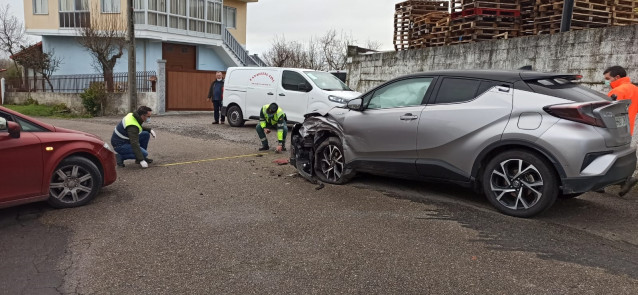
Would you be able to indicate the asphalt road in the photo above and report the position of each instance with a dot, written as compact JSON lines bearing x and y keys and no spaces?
{"x":249,"y":226}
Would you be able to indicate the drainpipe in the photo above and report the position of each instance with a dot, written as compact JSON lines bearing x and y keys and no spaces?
{"x":568,"y":11}
{"x":2,"y":90}
{"x":145,"y":41}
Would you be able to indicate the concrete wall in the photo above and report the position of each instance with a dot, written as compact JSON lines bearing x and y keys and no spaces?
{"x":76,"y":60}
{"x":116,"y":104}
{"x":586,"y":52}
{"x":208,"y":60}
{"x":239,"y":32}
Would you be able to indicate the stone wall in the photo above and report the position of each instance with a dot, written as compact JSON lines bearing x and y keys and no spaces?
{"x":116,"y":103}
{"x":586,"y":52}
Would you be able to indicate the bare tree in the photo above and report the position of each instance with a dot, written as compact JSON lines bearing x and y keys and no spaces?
{"x":279,"y":54}
{"x":12,"y":35}
{"x":373,"y":45}
{"x":40,"y":62}
{"x":335,"y":48}
{"x":328,"y":52}
{"x":104,"y":39}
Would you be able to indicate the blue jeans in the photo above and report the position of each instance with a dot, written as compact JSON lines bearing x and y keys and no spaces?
{"x":126,"y":150}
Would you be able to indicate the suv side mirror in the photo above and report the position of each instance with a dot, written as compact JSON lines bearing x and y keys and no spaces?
{"x":14,"y":129}
{"x":355,"y":104}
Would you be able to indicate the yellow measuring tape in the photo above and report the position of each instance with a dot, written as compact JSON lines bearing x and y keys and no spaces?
{"x":209,"y":160}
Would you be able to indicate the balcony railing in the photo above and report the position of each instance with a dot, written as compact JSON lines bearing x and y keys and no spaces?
{"x":235,"y":47}
{"x":75,"y":19}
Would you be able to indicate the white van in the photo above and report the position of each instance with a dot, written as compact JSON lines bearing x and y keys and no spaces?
{"x":296,"y":91}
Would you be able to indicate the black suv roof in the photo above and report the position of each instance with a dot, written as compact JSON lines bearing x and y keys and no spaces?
{"x":497,"y":75}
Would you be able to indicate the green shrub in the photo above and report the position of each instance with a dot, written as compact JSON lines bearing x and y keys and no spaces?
{"x":93,"y":98}
{"x":31,"y":101}
{"x":60,"y":108}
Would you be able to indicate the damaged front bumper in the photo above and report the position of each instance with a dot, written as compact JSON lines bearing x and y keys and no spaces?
{"x":305,"y":137}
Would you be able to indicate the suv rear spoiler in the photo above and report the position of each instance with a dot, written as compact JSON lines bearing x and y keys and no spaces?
{"x":535,"y":76}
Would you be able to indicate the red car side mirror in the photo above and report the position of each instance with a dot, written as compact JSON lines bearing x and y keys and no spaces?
{"x":14,"y":129}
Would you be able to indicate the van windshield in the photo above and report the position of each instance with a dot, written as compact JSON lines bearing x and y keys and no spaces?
{"x":327,"y":81}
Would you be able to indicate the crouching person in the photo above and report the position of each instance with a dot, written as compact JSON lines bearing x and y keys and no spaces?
{"x":130,"y":139}
{"x":272,"y":117}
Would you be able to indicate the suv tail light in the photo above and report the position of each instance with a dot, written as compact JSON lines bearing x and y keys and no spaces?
{"x":578,"y":112}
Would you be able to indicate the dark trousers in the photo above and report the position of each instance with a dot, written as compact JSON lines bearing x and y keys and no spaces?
{"x":262,"y":133}
{"x":126,"y":150}
{"x":217,"y":107}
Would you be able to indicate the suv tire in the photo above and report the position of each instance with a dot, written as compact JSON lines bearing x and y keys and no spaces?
{"x":330,"y":162}
{"x":520,"y":183}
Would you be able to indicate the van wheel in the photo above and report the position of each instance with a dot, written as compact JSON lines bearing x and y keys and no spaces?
{"x":235,"y":116}
{"x":74,"y":183}
{"x":520,"y":183}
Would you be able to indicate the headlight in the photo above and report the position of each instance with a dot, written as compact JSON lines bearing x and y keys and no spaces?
{"x":337,"y":99}
{"x":108,"y":147}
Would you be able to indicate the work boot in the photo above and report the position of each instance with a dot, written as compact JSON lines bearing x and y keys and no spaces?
{"x":118,"y":160}
{"x":148,"y":160}
{"x":626,"y":187}
{"x":264,"y":148}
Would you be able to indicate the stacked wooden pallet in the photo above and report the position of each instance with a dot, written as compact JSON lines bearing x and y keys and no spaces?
{"x":411,"y":16}
{"x":528,"y":13}
{"x":424,"y":26}
{"x":483,"y":20}
{"x":624,"y":12}
{"x":587,"y":14}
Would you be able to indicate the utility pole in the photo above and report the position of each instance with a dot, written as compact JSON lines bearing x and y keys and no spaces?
{"x":132,"y":83}
{"x":568,"y":12}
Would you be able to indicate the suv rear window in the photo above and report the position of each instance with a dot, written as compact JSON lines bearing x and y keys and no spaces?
{"x":566,"y":90}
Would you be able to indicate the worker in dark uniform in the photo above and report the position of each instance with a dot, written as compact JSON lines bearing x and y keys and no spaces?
{"x":272,"y":117}
{"x":130,"y":139}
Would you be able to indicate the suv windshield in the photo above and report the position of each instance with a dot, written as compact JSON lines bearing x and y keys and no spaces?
{"x":566,"y":90}
{"x":327,"y":81}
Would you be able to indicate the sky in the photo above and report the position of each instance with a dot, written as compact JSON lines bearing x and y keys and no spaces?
{"x":298,"y":20}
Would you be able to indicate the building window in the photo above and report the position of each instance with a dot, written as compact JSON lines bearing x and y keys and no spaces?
{"x":40,"y":7}
{"x":178,"y":19}
{"x":111,"y":6}
{"x":74,"y":14}
{"x":157,"y":13}
{"x":74,"y":5}
{"x":230,"y":17}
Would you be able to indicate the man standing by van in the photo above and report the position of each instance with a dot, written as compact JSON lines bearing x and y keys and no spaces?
{"x":272,"y":117}
{"x":216,"y":96}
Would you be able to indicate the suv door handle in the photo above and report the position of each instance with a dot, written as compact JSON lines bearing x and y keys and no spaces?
{"x":408,"y":117}
{"x":281,"y":94}
{"x":270,"y":93}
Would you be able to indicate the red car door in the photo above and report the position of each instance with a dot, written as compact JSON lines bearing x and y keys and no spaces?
{"x":20,"y":166}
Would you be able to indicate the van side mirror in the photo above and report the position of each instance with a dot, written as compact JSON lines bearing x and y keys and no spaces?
{"x":304,"y":87}
{"x":14,"y":129}
{"x":355,"y":104}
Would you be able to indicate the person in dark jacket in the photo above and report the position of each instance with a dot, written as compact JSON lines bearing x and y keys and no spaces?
{"x":130,"y":139}
{"x":216,"y":96}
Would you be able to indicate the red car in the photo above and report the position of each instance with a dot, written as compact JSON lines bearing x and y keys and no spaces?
{"x":41,"y":162}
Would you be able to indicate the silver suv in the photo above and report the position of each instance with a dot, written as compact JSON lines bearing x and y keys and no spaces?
{"x":523,"y":138}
